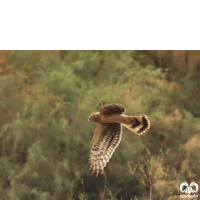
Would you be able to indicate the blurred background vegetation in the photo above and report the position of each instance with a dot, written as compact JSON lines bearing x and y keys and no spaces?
{"x":45,"y":138}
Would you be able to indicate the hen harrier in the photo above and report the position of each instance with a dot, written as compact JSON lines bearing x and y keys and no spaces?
{"x":108,"y":132}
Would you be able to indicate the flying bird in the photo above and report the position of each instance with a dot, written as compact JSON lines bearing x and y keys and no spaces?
{"x":108,"y":132}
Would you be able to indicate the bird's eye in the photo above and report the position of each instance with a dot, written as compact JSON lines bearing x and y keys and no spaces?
{"x":89,"y":119}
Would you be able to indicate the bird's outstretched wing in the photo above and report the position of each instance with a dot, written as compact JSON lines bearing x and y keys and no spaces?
{"x":109,"y":109}
{"x":105,"y":140}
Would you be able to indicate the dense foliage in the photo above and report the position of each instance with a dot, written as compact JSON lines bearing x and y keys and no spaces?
{"x":45,"y":138}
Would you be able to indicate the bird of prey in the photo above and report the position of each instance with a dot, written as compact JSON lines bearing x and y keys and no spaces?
{"x":108,"y":132}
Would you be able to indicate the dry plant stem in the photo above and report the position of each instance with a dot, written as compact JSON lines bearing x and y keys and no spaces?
{"x":116,"y":193}
{"x":150,"y":194}
{"x":72,"y":194}
{"x":83,"y":188}
{"x":141,"y":181}
{"x":104,"y":186}
{"x":150,"y":183}
{"x":150,"y":170}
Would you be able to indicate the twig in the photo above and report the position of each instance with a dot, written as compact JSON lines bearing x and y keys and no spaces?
{"x":104,"y":186}
{"x":116,"y":193}
{"x":83,"y":188}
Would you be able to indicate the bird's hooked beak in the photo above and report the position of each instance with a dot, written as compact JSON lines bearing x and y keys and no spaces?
{"x":89,"y":119}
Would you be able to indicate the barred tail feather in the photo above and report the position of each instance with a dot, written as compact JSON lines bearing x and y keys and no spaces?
{"x":138,"y":124}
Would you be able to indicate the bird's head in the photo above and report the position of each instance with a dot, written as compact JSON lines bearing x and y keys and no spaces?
{"x":93,"y":117}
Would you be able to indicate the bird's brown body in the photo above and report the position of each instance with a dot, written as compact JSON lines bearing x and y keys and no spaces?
{"x":108,"y":132}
